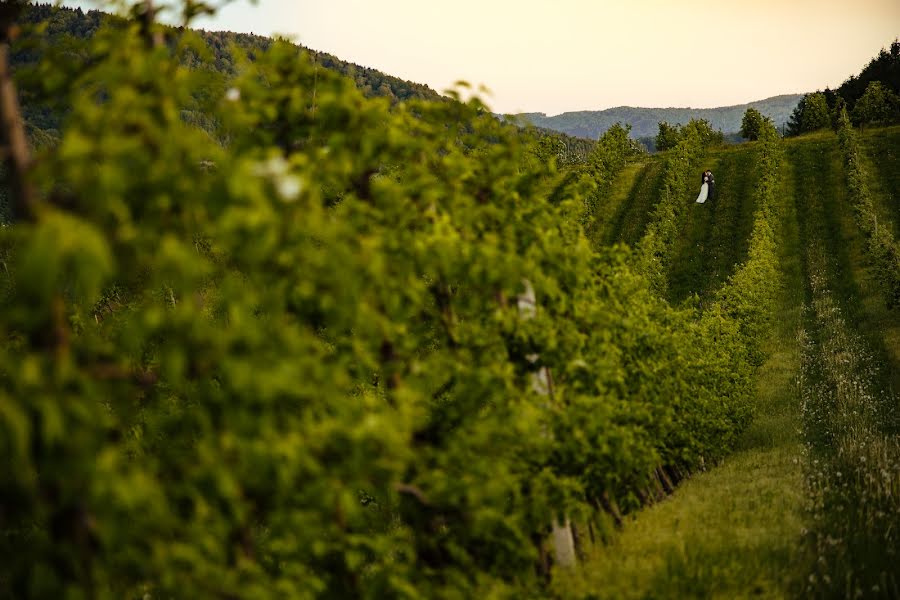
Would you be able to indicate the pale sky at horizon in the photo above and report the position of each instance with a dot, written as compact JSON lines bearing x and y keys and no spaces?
{"x":569,"y":55}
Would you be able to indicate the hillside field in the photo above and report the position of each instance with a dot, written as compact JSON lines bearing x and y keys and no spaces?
{"x":272,"y":326}
{"x":743,"y":529}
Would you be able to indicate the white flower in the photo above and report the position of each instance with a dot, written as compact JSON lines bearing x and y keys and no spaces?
{"x":289,"y":187}
{"x":233,"y":94}
{"x":276,"y":166}
{"x":277,"y":170}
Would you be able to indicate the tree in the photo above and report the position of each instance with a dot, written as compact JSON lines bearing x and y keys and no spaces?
{"x":668,"y":136}
{"x":811,"y":114}
{"x":617,"y":142}
{"x":704,"y":130}
{"x":877,"y":105}
{"x":815,"y":113}
{"x":840,"y":106}
{"x":794,"y":127}
{"x":884,"y":68}
{"x":753,"y":123}
{"x":831,"y":96}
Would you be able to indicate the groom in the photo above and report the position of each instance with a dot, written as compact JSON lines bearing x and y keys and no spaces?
{"x":711,"y":181}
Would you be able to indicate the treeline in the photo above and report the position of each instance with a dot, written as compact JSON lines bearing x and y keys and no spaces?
{"x":753,"y":126}
{"x":70,"y":27}
{"x":359,"y":350}
{"x":371,"y":82}
{"x":872,"y":97}
{"x":567,"y":150}
{"x":669,"y":136}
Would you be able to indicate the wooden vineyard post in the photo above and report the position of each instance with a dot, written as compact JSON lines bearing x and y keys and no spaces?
{"x":564,"y":544}
{"x":542,"y":383}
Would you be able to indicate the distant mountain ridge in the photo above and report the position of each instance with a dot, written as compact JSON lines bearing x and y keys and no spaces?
{"x":644,"y":121}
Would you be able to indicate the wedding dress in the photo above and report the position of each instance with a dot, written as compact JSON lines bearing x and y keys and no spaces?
{"x":704,"y":192}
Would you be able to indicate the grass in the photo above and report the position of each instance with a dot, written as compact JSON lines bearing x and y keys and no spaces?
{"x":820,"y":178}
{"x":690,"y":249}
{"x":730,"y":236}
{"x":732,"y":532}
{"x":716,"y":235}
{"x":618,"y":198}
{"x":852,"y":473}
{"x":633,"y":215}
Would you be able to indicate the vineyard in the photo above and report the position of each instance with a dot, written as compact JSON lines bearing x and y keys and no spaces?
{"x":806,"y":505}
{"x":266,"y":334}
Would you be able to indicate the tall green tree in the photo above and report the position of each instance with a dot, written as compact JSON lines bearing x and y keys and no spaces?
{"x":753,"y":123}
{"x":837,"y":110}
{"x":668,"y":136}
{"x":815,"y":113}
{"x":708,"y":136}
{"x":877,"y":105}
{"x":794,"y":123}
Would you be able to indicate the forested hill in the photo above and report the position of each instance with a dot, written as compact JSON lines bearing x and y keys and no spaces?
{"x":68,"y":27}
{"x":644,"y":121}
{"x":75,"y":23}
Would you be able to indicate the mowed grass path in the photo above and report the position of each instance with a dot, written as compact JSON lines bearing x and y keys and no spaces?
{"x":849,"y":367}
{"x":616,"y":199}
{"x":736,"y":530}
{"x":631,"y":216}
{"x":817,"y":162}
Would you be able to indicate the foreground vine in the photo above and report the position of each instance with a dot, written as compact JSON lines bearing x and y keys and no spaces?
{"x":281,"y":355}
{"x":882,"y":248}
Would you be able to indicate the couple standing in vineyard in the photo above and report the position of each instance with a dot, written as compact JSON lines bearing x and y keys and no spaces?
{"x":708,"y":187}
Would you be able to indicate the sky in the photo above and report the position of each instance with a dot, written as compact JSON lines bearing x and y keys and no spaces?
{"x":566,"y":55}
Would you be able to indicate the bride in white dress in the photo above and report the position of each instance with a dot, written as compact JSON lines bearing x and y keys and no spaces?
{"x":704,"y":189}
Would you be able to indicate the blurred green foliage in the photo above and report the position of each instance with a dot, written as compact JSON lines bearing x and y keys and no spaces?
{"x":275,"y":350}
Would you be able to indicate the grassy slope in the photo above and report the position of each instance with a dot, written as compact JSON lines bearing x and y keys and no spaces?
{"x":817,"y":158}
{"x":618,"y":198}
{"x":850,"y":363}
{"x":731,"y":532}
{"x":881,"y":159}
{"x":716,"y":235}
{"x":735,"y":530}
{"x":690,"y":255}
{"x":631,"y":216}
